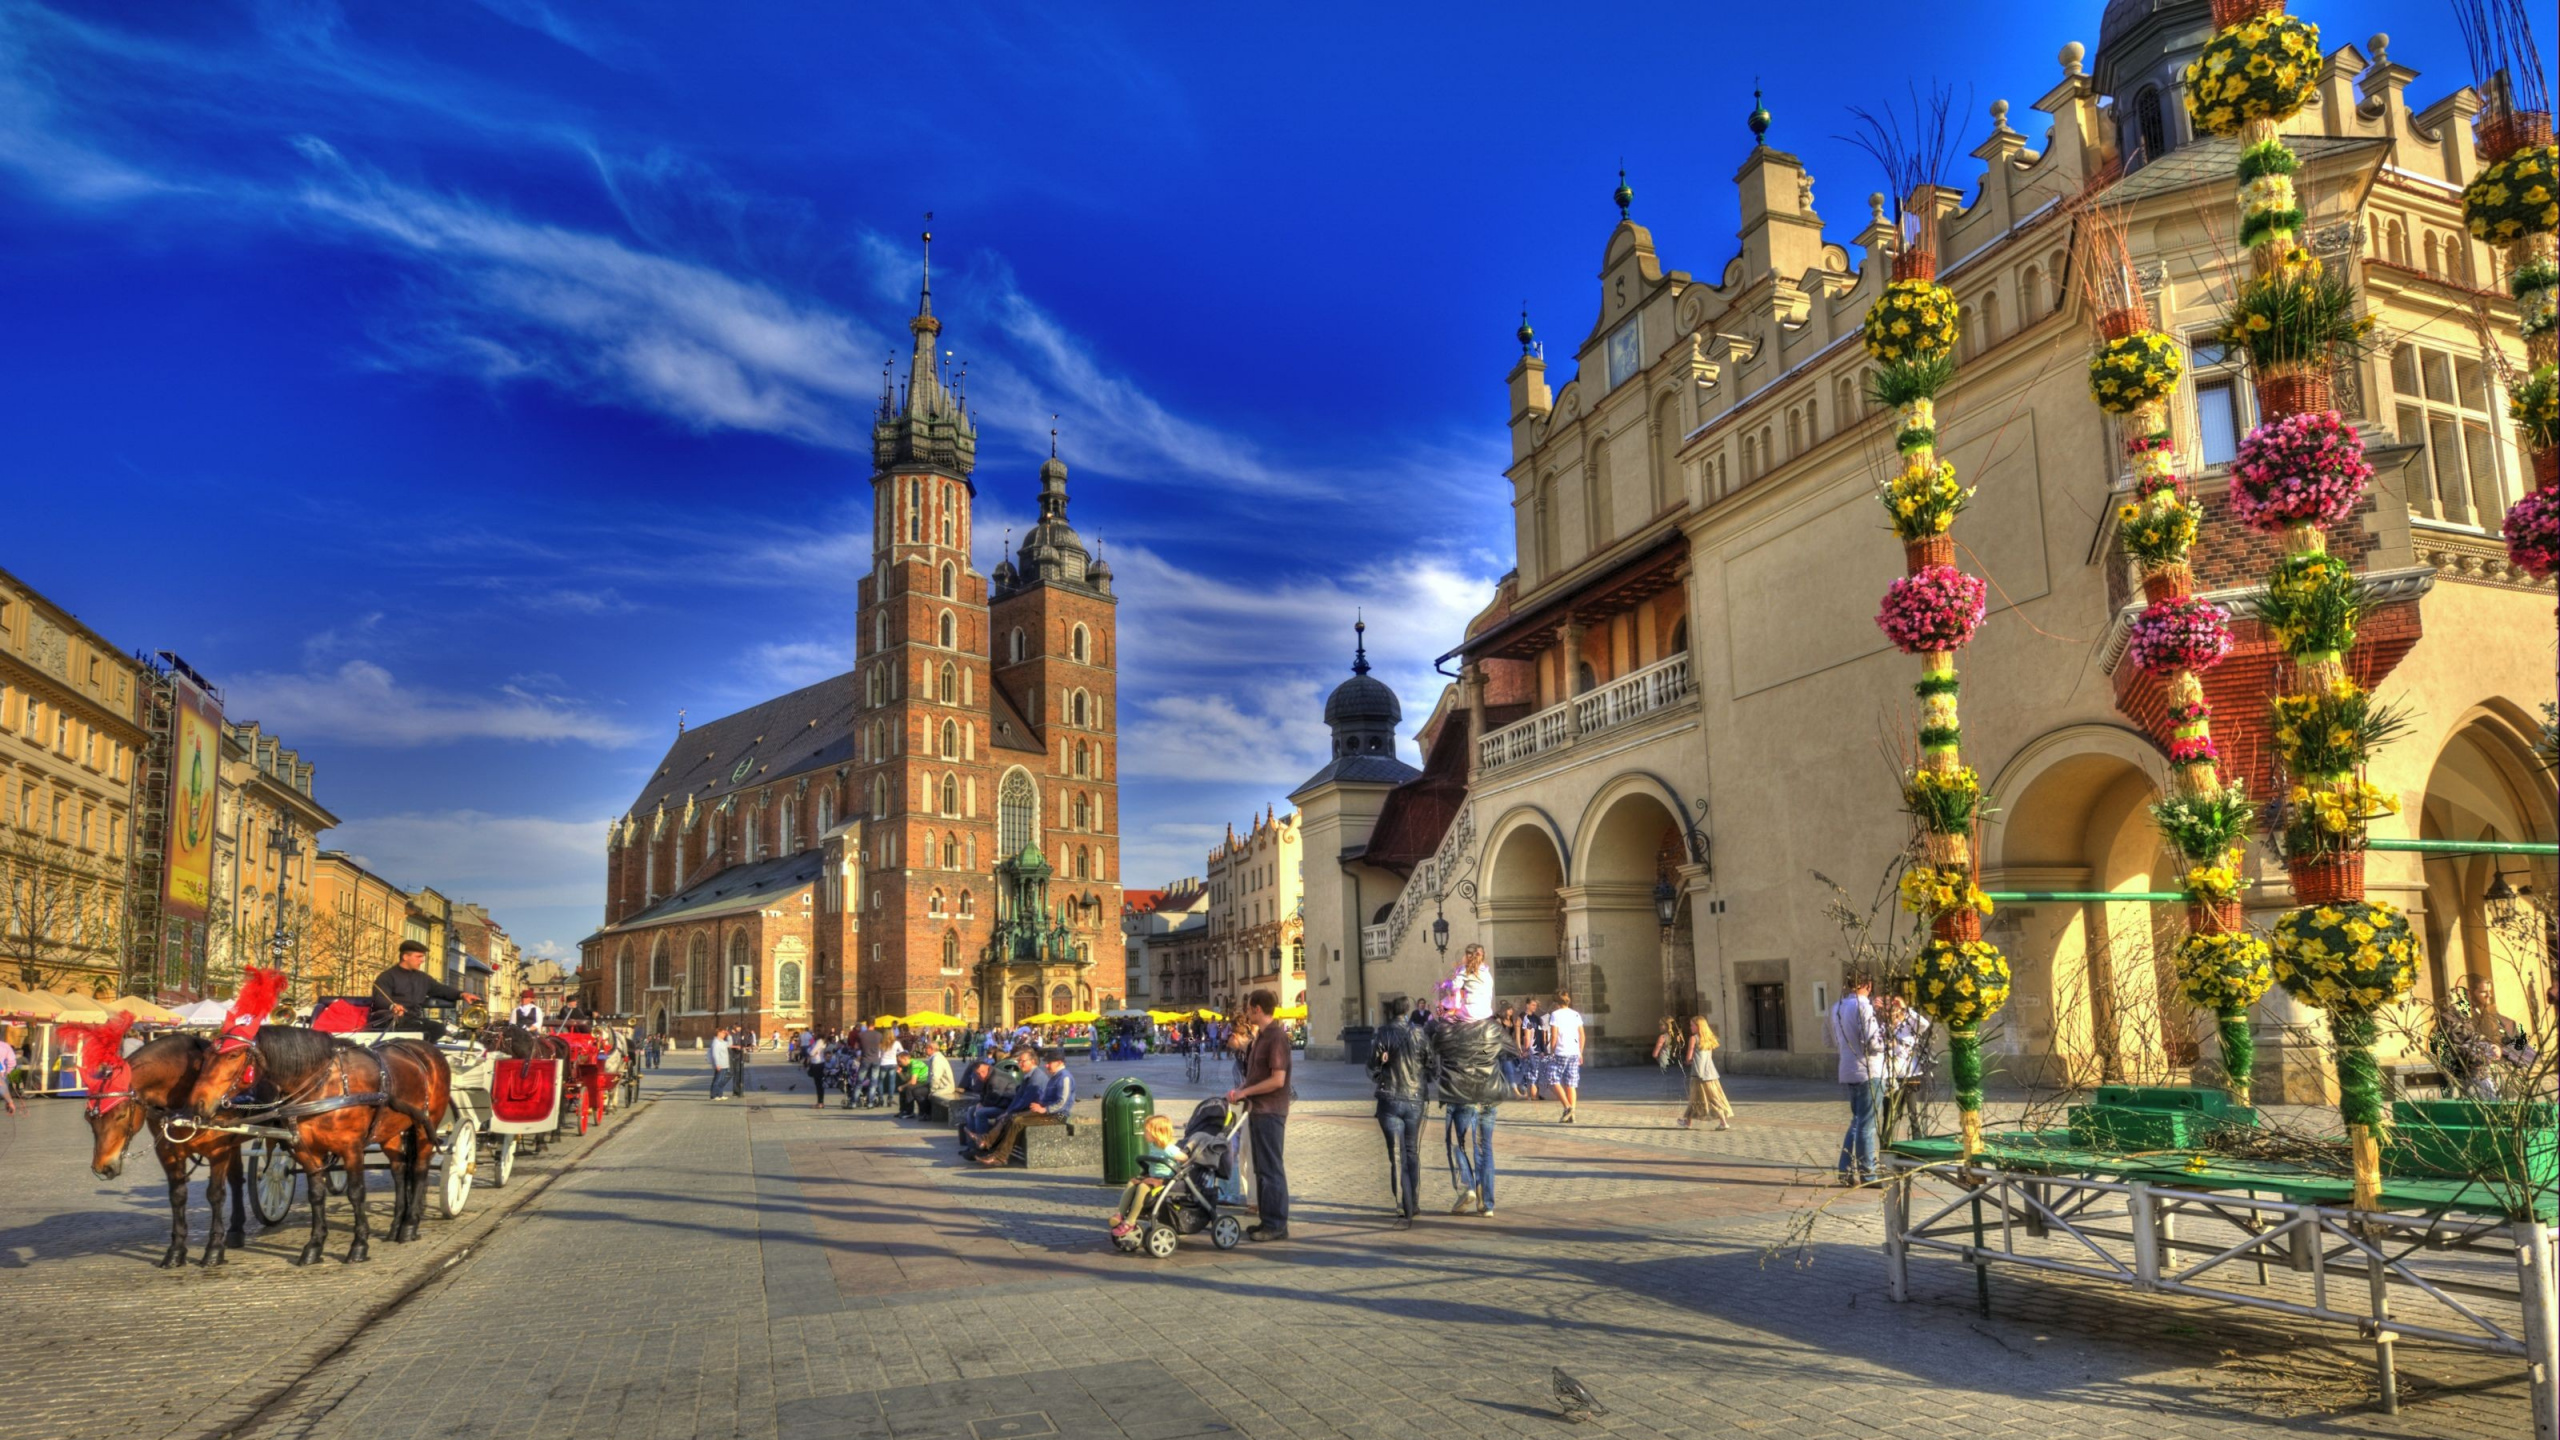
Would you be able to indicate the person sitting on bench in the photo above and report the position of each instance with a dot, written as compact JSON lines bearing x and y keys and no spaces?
{"x":1053,"y":1093}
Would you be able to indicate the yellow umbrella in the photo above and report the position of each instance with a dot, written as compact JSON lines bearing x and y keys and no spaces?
{"x":1166,"y":1017}
{"x":1290,"y":1012}
{"x":80,"y":1009}
{"x":880,"y":1020}
{"x":935,"y":1020}
{"x":1043,"y":1018}
{"x":1207,"y":1015}
{"x":1078,"y":1017}
{"x":19,"y":1002}
{"x":144,"y":1010}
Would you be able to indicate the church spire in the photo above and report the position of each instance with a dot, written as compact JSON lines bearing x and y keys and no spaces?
{"x":1359,"y":644}
{"x":928,"y":426}
{"x":924,"y":375}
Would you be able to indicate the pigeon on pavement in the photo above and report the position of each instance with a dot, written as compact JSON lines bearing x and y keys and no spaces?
{"x":1574,"y":1399}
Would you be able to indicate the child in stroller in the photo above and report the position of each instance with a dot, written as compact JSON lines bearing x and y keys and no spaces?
{"x":1201,"y":1176}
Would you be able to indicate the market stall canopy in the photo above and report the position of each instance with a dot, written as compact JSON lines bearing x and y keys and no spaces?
{"x":19,"y":1002}
{"x":879,"y":1021}
{"x":1206,"y":1015}
{"x":80,"y":1009}
{"x":1078,"y":1017}
{"x":1167,"y":1017}
{"x":935,"y":1020}
{"x":143,"y":1010}
{"x":203,"y":1012}
{"x":1128,"y":1014}
{"x":1290,"y":1012}
{"x":1043,"y":1018}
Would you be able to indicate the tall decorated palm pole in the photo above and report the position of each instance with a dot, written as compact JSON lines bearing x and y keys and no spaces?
{"x":2514,"y":204}
{"x":2205,"y":818}
{"x":2299,"y":472}
{"x":1958,"y":979}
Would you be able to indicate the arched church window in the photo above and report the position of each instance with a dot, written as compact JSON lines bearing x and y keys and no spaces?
{"x":950,"y":581}
{"x":950,"y":850}
{"x":950,"y":684}
{"x":950,"y":951}
{"x":950,"y":631}
{"x":950,"y":739}
{"x":1017,"y":814}
{"x":1083,"y":758}
{"x":915,"y":510}
{"x":2151,"y":129}
{"x":1078,"y":645}
{"x":1014,"y":648}
{"x":950,"y":794}
{"x":1077,"y":709}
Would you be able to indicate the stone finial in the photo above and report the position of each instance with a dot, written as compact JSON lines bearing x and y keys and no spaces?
{"x":2071,"y":56}
{"x":1999,"y":114}
{"x":1875,"y":207}
{"x":2380,"y":45}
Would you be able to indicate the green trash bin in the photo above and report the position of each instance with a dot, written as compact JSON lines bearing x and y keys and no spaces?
{"x":1126,"y":1104}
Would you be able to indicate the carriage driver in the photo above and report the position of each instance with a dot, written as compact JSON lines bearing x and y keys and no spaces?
{"x":401,"y":994}
{"x":528,"y":1012}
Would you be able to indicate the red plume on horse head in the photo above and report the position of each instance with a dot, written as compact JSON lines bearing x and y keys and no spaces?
{"x":102,"y":1067}
{"x":258,"y":992}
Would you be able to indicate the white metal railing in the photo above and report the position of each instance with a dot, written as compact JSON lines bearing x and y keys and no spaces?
{"x":1428,"y":878}
{"x":1630,"y":698}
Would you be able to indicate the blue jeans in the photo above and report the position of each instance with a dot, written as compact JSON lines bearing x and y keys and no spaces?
{"x":719,"y":1077}
{"x":1400,"y":1121}
{"x":1471,"y":1151}
{"x":1858,"y":1146}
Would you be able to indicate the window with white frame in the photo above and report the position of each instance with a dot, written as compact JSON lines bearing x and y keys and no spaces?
{"x":2446,"y":405}
{"x":2222,"y":401}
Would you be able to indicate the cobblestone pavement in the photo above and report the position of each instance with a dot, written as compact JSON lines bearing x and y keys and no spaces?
{"x":764,"y":1269}
{"x":99,"y":1344}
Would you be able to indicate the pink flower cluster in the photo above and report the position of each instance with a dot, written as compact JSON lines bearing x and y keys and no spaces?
{"x":1933,"y":611}
{"x":2305,"y":469}
{"x":2533,"y":534}
{"x":2198,"y":751}
{"x":2175,"y":635}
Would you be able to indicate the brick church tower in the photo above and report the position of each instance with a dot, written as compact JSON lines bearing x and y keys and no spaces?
{"x":924,"y":779}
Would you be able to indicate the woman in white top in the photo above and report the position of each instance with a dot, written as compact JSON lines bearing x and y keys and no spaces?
{"x":1706,"y":1087}
{"x":1471,"y":989}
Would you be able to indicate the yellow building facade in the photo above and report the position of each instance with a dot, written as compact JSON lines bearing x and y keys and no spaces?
{"x":1673,"y":714}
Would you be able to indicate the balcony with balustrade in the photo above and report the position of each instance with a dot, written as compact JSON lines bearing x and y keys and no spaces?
{"x":1630,"y":700}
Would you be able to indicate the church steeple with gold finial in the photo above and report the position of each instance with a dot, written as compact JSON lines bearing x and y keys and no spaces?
{"x":929,"y":426}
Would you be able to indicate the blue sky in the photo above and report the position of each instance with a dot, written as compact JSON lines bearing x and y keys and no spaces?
{"x":467,"y":387}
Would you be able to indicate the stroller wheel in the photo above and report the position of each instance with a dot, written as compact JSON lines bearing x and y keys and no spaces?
{"x":1226,"y":1232}
{"x":1126,"y":1244}
{"x":1161,"y":1241}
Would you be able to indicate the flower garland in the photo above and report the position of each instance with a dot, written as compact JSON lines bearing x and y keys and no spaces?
{"x":2175,"y":635}
{"x":2356,"y":955}
{"x":1959,"y":984}
{"x":2227,"y":973}
{"x":2135,"y":370}
{"x":1933,"y":611}
{"x":2304,"y":469}
{"x":2515,"y":197}
{"x":2267,"y":68}
{"x":1916,"y":320}
{"x":1924,"y":500}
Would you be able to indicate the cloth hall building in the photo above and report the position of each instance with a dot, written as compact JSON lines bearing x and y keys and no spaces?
{"x":1668,"y":721}
{"x":936,"y":829}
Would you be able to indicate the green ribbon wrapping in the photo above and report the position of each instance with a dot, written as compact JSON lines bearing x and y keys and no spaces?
{"x":1964,"y":1066}
{"x":2239,"y":1048}
{"x":2359,"y":1075}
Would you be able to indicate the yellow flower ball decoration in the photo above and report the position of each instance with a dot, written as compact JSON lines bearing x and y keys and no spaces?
{"x":2267,"y":68}
{"x":1960,"y":984}
{"x":1933,"y":890}
{"x":2516,"y":197}
{"x":2217,"y":882}
{"x":2224,"y":973}
{"x":2355,"y":957}
{"x":2134,"y":371}
{"x":1924,"y":500}
{"x":1915,"y":320}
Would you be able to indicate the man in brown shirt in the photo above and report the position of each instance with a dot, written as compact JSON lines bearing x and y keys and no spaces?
{"x":1265,"y":1096}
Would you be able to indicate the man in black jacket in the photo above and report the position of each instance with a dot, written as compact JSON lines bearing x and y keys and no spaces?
{"x":1397,"y":1067}
{"x":401,"y":994}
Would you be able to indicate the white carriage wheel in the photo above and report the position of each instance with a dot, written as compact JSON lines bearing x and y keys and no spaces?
{"x":271,"y":1174}
{"x":461,"y":1153}
{"x":505,"y":1168}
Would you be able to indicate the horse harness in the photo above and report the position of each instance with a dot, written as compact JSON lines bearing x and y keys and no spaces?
{"x":280,"y":1118}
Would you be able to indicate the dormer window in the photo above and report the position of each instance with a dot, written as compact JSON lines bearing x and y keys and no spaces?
{"x":2151,"y":131}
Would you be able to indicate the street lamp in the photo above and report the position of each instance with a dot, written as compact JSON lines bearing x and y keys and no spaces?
{"x":286,"y":845}
{"x":1440,"y":932}
{"x":2504,"y":899}
{"x":1666,"y":903}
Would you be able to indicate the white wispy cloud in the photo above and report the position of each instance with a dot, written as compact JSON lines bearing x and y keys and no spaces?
{"x":361,"y":703}
{"x":541,"y":877}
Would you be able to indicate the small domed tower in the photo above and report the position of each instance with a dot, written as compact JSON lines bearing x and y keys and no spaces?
{"x":1362,"y":712}
{"x":2144,"y":47}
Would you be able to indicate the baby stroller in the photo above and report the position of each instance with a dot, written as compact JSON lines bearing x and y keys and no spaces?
{"x":1203,"y":1182}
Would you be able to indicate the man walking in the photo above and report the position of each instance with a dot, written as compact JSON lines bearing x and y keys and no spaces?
{"x":740,"y":1042}
{"x":1860,"y":1041}
{"x":1396,"y":1065}
{"x":657,"y":1043}
{"x":1564,"y":1067}
{"x":1265,"y":1096}
{"x":718,"y":1049}
{"x":1533,"y":1051}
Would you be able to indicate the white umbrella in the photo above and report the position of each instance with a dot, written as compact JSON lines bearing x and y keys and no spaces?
{"x":203,"y":1012}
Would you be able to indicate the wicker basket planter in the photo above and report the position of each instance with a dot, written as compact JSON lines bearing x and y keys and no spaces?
{"x":2329,"y":880}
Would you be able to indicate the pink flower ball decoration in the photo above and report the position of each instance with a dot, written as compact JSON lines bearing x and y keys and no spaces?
{"x":2175,"y":635}
{"x":2198,"y":751}
{"x":2533,"y":534}
{"x":2305,"y":469}
{"x":1934,"y":611}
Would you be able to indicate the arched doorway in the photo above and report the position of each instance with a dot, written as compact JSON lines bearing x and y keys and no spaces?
{"x":2486,"y":785}
{"x":1026,"y":1003}
{"x":1522,"y":913}
{"x":1061,"y":1000}
{"x":2094,"y":995}
{"x":1632,"y":843}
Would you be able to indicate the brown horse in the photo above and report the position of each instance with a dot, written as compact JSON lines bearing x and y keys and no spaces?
{"x":157,"y":1081}
{"x":338,"y":1099}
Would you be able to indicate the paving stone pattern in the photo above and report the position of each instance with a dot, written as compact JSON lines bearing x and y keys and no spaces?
{"x":763,"y":1269}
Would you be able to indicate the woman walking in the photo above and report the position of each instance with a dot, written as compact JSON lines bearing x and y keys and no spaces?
{"x":1706,"y":1087}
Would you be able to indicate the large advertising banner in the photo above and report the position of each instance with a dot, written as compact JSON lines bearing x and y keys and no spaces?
{"x":195,"y":775}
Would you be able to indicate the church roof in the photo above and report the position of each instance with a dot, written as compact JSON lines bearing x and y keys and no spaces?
{"x":1363,"y":698}
{"x":1367,"y":769}
{"x":2211,"y":159}
{"x":807,"y":729}
{"x":1007,"y":730}
{"x":732,"y":891}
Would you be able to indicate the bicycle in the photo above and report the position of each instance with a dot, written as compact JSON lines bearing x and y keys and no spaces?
{"x":1191,"y":1065}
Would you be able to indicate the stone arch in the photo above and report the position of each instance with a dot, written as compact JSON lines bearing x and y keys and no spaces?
{"x":1017,"y":813}
{"x":1520,"y":912}
{"x":1633,"y":837}
{"x":659,"y":978}
{"x":2095,"y":978}
{"x":1061,"y":999}
{"x":1026,"y":1003}
{"x":2484,"y":784}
